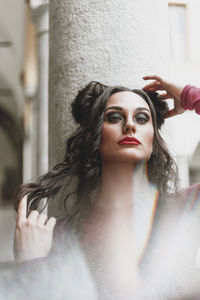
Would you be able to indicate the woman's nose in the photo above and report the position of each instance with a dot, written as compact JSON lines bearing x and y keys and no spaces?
{"x":129,"y":127}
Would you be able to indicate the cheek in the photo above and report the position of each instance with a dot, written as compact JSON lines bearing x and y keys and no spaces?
{"x":109,"y":137}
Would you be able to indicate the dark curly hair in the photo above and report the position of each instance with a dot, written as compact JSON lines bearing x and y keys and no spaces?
{"x":82,"y":159}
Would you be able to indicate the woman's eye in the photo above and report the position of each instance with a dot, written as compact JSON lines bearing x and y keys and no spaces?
{"x":114,"y":117}
{"x":142,"y":118}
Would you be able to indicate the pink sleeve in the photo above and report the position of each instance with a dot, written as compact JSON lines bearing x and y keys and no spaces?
{"x":190,"y":98}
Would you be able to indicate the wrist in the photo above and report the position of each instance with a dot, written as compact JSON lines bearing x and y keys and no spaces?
{"x":175,"y":90}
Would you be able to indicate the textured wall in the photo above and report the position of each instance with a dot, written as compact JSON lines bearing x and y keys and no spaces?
{"x":114,"y":42}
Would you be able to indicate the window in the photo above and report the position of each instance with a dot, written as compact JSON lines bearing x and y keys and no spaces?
{"x":178,"y":31}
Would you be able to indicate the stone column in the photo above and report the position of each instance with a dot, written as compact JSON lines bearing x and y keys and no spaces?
{"x":41,"y":19}
{"x":114,"y":42}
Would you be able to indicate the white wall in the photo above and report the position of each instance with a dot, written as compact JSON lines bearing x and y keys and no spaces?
{"x":114,"y":42}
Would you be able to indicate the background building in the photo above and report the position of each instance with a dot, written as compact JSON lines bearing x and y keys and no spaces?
{"x":113,"y":43}
{"x":185,"y":68}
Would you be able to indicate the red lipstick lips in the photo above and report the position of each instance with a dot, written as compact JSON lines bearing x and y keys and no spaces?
{"x":129,"y":141}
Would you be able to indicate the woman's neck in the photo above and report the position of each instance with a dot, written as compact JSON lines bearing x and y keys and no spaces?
{"x":119,"y":184}
{"x":125,"y":206}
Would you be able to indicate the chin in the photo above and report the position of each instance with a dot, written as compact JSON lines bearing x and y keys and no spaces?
{"x":128,"y":155}
{"x":133,"y":155}
{"x":129,"y":158}
{"x":132,"y":159}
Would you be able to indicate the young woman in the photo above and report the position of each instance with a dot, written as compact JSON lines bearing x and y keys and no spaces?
{"x":126,"y":181}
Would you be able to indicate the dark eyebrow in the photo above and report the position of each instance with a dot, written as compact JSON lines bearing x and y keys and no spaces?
{"x":143,"y":108}
{"x":114,"y":107}
{"x":121,"y":109}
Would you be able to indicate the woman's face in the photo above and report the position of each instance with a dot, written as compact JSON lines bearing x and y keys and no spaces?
{"x":127,"y":131}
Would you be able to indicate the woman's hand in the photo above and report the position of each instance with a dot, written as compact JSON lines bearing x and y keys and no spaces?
{"x":172,"y":91}
{"x":33,"y":234}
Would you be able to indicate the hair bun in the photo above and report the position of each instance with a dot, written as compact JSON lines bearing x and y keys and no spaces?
{"x":161,"y":107}
{"x":82,"y":105}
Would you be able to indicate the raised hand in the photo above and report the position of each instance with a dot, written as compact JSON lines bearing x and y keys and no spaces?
{"x":33,"y":234}
{"x":172,"y":91}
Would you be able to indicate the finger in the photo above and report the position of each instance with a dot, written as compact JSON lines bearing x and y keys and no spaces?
{"x":155,"y":89}
{"x":22,"y":209}
{"x":151,"y":77}
{"x":151,"y":85}
{"x":165,"y":96}
{"x":41,"y":219}
{"x":32,"y":217}
{"x":154,"y":86}
{"x":170,"y":113}
{"x":51,"y":223}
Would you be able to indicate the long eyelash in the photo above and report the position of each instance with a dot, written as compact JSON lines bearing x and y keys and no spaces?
{"x":144,"y":118}
{"x":111,"y":113}
{"x":146,"y":115}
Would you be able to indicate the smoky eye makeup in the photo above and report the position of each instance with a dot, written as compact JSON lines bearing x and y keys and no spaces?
{"x":114,"y":117}
{"x":142,"y":117}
